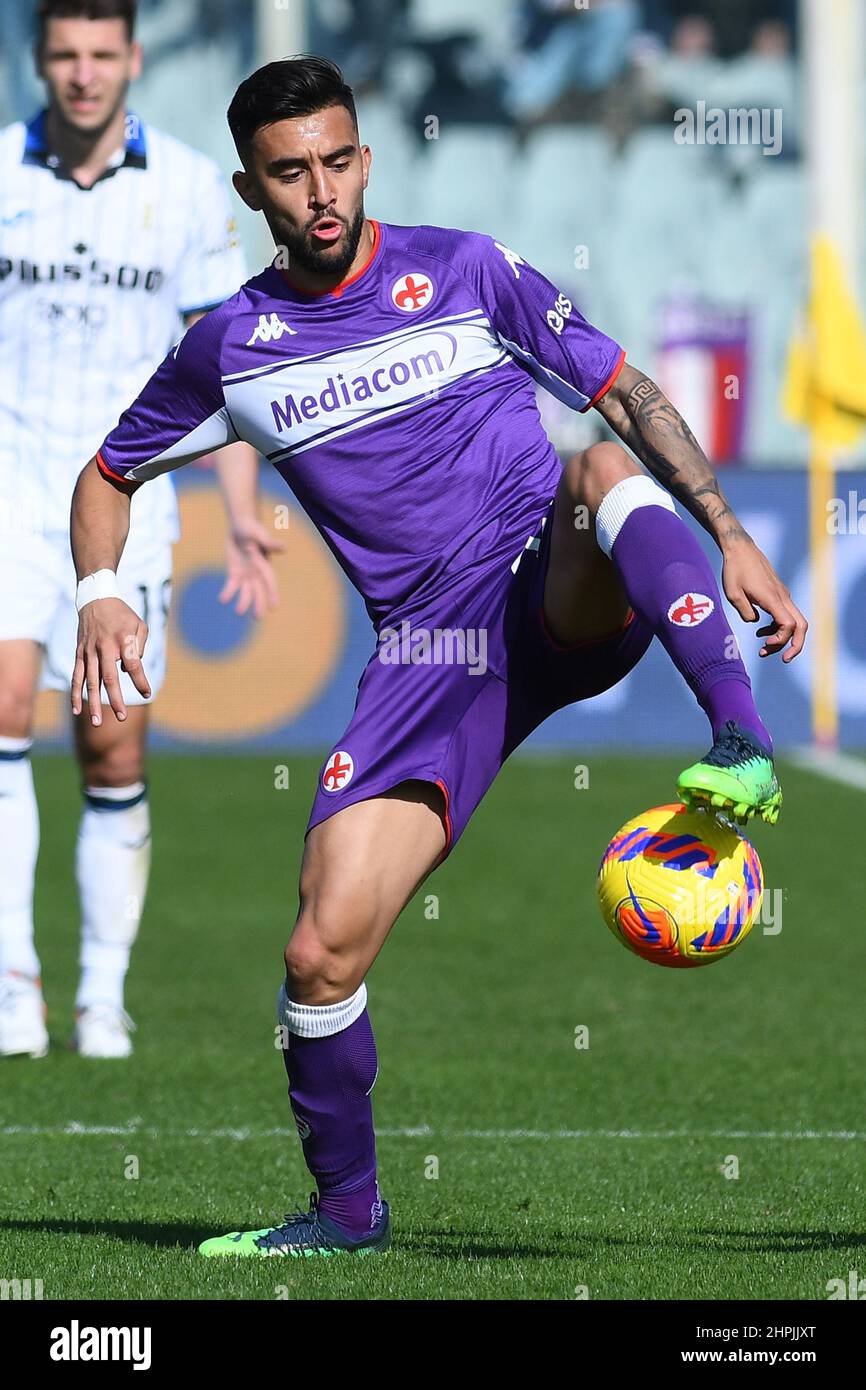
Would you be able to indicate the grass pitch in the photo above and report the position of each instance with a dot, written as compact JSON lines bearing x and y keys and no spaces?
{"x":517,"y":1164}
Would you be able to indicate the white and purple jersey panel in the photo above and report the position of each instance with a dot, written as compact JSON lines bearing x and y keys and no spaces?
{"x":400,"y":407}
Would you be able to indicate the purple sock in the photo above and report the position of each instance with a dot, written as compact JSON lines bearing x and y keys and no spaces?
{"x":330,"y":1080}
{"x":671,"y":586}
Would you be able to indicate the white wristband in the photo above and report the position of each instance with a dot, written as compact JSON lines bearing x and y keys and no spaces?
{"x":101,"y":584}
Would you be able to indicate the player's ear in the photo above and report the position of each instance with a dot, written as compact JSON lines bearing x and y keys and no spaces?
{"x":366,"y":161}
{"x":245,"y":187}
{"x":136,"y":60}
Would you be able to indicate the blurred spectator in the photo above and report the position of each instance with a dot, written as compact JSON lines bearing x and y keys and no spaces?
{"x":763,"y":76}
{"x":733,"y":21}
{"x":690,"y":70}
{"x":568,"y":49}
{"x":359,"y":35}
{"x":694,"y":38}
{"x":766,"y":76}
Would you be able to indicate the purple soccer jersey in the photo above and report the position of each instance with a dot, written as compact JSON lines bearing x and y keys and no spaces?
{"x":400,"y":409}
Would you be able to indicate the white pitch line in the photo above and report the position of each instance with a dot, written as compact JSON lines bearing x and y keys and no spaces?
{"x":837,"y":767}
{"x":75,"y":1129}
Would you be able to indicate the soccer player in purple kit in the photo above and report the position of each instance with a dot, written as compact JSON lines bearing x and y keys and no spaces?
{"x":388,"y":374}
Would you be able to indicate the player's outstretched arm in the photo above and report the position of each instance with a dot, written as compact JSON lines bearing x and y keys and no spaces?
{"x":655,"y":431}
{"x":108,"y":630}
{"x":249,"y":544}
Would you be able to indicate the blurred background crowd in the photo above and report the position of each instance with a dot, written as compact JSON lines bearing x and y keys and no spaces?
{"x":553,"y":125}
{"x":549,"y":124}
{"x":514,"y":63}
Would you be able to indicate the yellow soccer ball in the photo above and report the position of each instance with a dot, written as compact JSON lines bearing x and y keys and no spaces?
{"x":680,"y":887}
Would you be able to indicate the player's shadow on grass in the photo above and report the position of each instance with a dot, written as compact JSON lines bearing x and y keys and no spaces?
{"x":786,"y":1242}
{"x":448,"y":1244}
{"x":158,"y":1235}
{"x":451,"y":1244}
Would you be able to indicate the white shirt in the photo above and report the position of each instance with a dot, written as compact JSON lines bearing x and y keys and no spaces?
{"x":93,"y":286}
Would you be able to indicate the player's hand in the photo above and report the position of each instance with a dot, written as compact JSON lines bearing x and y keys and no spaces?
{"x":750,"y":583}
{"x":108,"y":632}
{"x":249,"y":573}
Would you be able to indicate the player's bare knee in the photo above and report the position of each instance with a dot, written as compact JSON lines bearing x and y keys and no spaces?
{"x":16,"y":709}
{"x":591,"y":474}
{"x":112,"y":767}
{"x":318,"y":972}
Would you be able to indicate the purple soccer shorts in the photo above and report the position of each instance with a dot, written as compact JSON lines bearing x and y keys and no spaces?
{"x":453,"y":689}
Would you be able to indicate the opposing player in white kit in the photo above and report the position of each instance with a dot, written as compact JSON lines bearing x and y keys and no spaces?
{"x":112,"y":236}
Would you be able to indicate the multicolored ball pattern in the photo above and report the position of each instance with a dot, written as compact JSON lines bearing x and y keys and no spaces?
{"x":680,"y":887}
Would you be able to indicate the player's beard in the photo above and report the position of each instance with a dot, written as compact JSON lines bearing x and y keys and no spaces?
{"x":71,"y":126}
{"x":323,"y":260}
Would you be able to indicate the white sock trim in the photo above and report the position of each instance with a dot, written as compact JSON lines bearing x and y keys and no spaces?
{"x":319,"y":1021}
{"x":15,"y":745}
{"x":116,"y":793}
{"x":635,"y":491}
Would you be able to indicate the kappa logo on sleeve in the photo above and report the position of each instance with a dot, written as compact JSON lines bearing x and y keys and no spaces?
{"x":339,"y":771}
{"x":690,"y":609}
{"x":512,"y":258}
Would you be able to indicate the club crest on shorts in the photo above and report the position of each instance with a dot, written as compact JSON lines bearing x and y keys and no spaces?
{"x":690,"y":609}
{"x":412,"y":292}
{"x":338,"y":773}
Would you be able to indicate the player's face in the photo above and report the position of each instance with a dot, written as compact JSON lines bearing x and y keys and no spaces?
{"x":308,"y":176}
{"x":88,"y":65}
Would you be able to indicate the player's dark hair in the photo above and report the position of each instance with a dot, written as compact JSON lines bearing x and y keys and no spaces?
{"x":283,"y":90}
{"x":84,"y":9}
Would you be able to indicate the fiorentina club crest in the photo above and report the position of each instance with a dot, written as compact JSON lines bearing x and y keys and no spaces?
{"x":412,"y":292}
{"x":690,"y":609}
{"x":338,"y":772}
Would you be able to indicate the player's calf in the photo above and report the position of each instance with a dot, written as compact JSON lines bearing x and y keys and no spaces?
{"x":329,"y":1051}
{"x":22,"y":1009}
{"x":361,"y":865}
{"x":670,"y":584}
{"x":112,"y":867}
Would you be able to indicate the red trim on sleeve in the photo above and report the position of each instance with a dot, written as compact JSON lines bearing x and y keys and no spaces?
{"x":109,"y":472}
{"x":607,"y":385}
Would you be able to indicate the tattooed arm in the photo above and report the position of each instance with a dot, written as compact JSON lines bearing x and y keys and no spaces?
{"x":654,"y":430}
